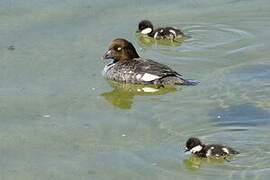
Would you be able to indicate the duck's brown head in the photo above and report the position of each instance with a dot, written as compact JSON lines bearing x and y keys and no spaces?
{"x":120,"y":50}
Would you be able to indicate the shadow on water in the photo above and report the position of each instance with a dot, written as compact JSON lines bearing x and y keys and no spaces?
{"x":240,"y":115}
{"x":122,"y":94}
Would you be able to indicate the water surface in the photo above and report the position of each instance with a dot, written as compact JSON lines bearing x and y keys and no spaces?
{"x":61,"y":120}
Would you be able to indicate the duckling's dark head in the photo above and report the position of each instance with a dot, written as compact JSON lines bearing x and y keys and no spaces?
{"x":194,"y":145}
{"x":120,"y":50}
{"x":145,"y":27}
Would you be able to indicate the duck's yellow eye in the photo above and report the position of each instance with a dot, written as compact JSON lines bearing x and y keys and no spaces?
{"x":119,"y":49}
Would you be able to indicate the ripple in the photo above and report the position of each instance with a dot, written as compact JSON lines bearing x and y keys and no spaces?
{"x":203,"y":39}
{"x":240,"y":115}
{"x":248,"y":83}
{"x":253,"y":159}
{"x":210,"y":36}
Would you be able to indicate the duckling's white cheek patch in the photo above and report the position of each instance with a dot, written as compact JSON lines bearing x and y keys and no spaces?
{"x":146,"y":31}
{"x":149,"y":77}
{"x":196,"y":149}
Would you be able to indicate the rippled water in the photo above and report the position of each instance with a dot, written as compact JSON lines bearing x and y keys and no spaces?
{"x":61,"y":120}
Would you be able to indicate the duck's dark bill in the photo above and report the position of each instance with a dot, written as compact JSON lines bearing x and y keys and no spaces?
{"x":107,"y":55}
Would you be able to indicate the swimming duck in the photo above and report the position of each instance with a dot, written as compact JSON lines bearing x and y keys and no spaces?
{"x":128,"y":67}
{"x":195,"y":146}
{"x":170,"y":33}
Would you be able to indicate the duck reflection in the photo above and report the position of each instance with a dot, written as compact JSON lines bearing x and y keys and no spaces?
{"x":122,"y":94}
{"x":194,"y":162}
{"x":146,"y":41}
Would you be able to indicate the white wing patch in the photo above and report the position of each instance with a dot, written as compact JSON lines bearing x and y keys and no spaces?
{"x":146,"y":31}
{"x":149,"y":77}
{"x":225,"y":150}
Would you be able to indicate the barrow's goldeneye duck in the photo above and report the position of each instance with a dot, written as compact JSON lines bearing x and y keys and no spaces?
{"x":195,"y":146}
{"x":128,"y":67}
{"x":147,"y":28}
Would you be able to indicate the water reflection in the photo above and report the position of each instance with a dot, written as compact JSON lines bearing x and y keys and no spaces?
{"x":146,"y":41}
{"x":122,"y":94}
{"x":194,"y":162}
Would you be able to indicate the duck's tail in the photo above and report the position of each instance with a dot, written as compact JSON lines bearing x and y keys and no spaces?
{"x":190,"y":82}
{"x":176,"y":80}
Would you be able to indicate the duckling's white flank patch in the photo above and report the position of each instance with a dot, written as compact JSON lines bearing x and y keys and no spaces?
{"x":155,"y":36}
{"x":196,"y":149}
{"x":146,"y":31}
{"x":208,"y":153}
{"x":149,"y":77}
{"x":149,"y":89}
{"x":173,"y":32}
{"x":225,"y":150}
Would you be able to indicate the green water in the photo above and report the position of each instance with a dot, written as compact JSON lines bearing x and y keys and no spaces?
{"x":59,"y":118}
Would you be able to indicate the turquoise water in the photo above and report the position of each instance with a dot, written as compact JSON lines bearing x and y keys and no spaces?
{"x":61,"y":120}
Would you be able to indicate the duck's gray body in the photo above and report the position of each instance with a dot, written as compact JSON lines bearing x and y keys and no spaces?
{"x":142,"y":71}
